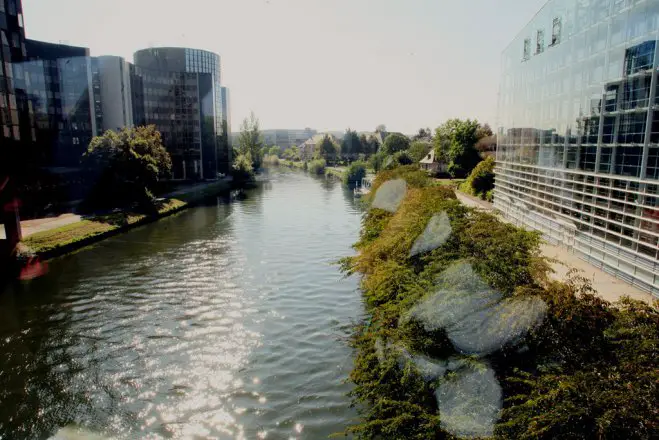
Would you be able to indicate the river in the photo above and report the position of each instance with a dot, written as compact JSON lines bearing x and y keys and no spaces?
{"x":227,"y":320}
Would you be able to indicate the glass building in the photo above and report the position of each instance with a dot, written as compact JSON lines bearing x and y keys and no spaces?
{"x":56,"y":82}
{"x":179,"y":91}
{"x":578,"y":132}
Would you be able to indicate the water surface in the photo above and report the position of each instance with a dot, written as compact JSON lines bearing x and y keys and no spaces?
{"x":225,"y":321}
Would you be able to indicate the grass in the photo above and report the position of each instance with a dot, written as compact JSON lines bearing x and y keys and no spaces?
{"x":86,"y":230}
{"x":335,"y":172}
{"x":448,"y":182}
{"x":291,"y":163}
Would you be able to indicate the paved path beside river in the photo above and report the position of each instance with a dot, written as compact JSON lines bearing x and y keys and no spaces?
{"x":607,"y":286}
{"x":30,"y":227}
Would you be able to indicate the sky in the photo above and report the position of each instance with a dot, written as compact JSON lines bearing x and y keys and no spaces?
{"x":324,"y":64}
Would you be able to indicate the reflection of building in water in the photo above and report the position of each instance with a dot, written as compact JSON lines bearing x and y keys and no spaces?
{"x":578,"y":154}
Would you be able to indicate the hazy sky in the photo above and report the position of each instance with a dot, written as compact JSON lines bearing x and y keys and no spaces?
{"x":325,"y":64}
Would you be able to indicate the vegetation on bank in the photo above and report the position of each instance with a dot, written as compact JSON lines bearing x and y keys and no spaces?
{"x":124,"y":168}
{"x":317,"y":167}
{"x":50,"y":241}
{"x":587,"y":370}
{"x":354,"y":174}
{"x":480,"y":182}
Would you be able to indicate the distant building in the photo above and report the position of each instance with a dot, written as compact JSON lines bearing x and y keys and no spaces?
{"x":308,"y":148}
{"x":433,"y":165}
{"x":286,"y":138}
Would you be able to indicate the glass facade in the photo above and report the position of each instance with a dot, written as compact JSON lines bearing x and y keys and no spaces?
{"x":578,"y":133}
{"x":179,"y":90}
{"x":55,"y":80}
{"x":13,"y":107}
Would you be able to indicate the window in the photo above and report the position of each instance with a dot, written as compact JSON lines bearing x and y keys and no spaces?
{"x":632,"y":129}
{"x":540,"y":41}
{"x":608,"y":128}
{"x":637,"y":92}
{"x":527,"y":49}
{"x":652,"y":170}
{"x":639,"y":57}
{"x":605,"y":160}
{"x":628,"y":161}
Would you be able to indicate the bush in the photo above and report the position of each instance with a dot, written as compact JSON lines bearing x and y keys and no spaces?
{"x":271,"y":159}
{"x":589,"y":370}
{"x":125,"y":167}
{"x":317,"y":166}
{"x":354,"y":173}
{"x":402,"y":158}
{"x":481,"y":180}
{"x":242,"y":170}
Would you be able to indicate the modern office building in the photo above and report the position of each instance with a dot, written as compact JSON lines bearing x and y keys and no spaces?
{"x":112,"y":96}
{"x":179,"y":91}
{"x":578,"y":153}
{"x":13,"y":108}
{"x":55,"y":79}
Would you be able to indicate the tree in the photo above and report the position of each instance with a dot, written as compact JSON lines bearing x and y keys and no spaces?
{"x":370,"y":144}
{"x":381,"y":128}
{"x":354,"y":173}
{"x":242,"y":170}
{"x":351,"y":145}
{"x":326,"y":149}
{"x":395,"y":142}
{"x":481,"y":180}
{"x":455,"y":142}
{"x":126,"y":166}
{"x":402,"y":158}
{"x":250,"y":140}
{"x":424,"y":134}
{"x":275,"y":151}
{"x":419,"y":149}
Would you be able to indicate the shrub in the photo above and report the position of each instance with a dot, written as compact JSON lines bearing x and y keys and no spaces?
{"x":242,"y":170}
{"x":354,"y":173}
{"x":481,"y":179}
{"x":317,"y":166}
{"x":402,"y":158}
{"x":589,"y":370}
{"x":271,"y":159}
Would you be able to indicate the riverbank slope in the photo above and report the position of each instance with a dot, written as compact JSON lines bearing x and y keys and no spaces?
{"x":466,"y":334}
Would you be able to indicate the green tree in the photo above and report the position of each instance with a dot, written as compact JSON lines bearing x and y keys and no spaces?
{"x":126,"y":167}
{"x":275,"y":151}
{"x":242,"y":170}
{"x":354,"y":173}
{"x":455,"y":142}
{"x":327,"y":149}
{"x":424,"y":134}
{"x":250,"y":140}
{"x":402,"y":158}
{"x":481,"y":180}
{"x":394,"y":143}
{"x":369,"y":144}
{"x":419,"y":149}
{"x":351,"y":145}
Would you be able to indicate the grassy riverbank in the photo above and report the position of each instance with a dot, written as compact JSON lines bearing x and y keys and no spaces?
{"x":64,"y":239}
{"x":293,"y":164}
{"x":467,"y":336}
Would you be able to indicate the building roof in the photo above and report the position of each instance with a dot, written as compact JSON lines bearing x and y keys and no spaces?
{"x":429,"y":158}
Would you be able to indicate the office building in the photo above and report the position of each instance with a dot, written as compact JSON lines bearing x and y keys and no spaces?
{"x":55,"y":79}
{"x":179,"y":91}
{"x":111,"y":85}
{"x":13,"y":108}
{"x":578,"y":153}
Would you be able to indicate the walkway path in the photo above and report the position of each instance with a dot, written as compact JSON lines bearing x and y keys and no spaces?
{"x":31,"y":227}
{"x":607,"y":286}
